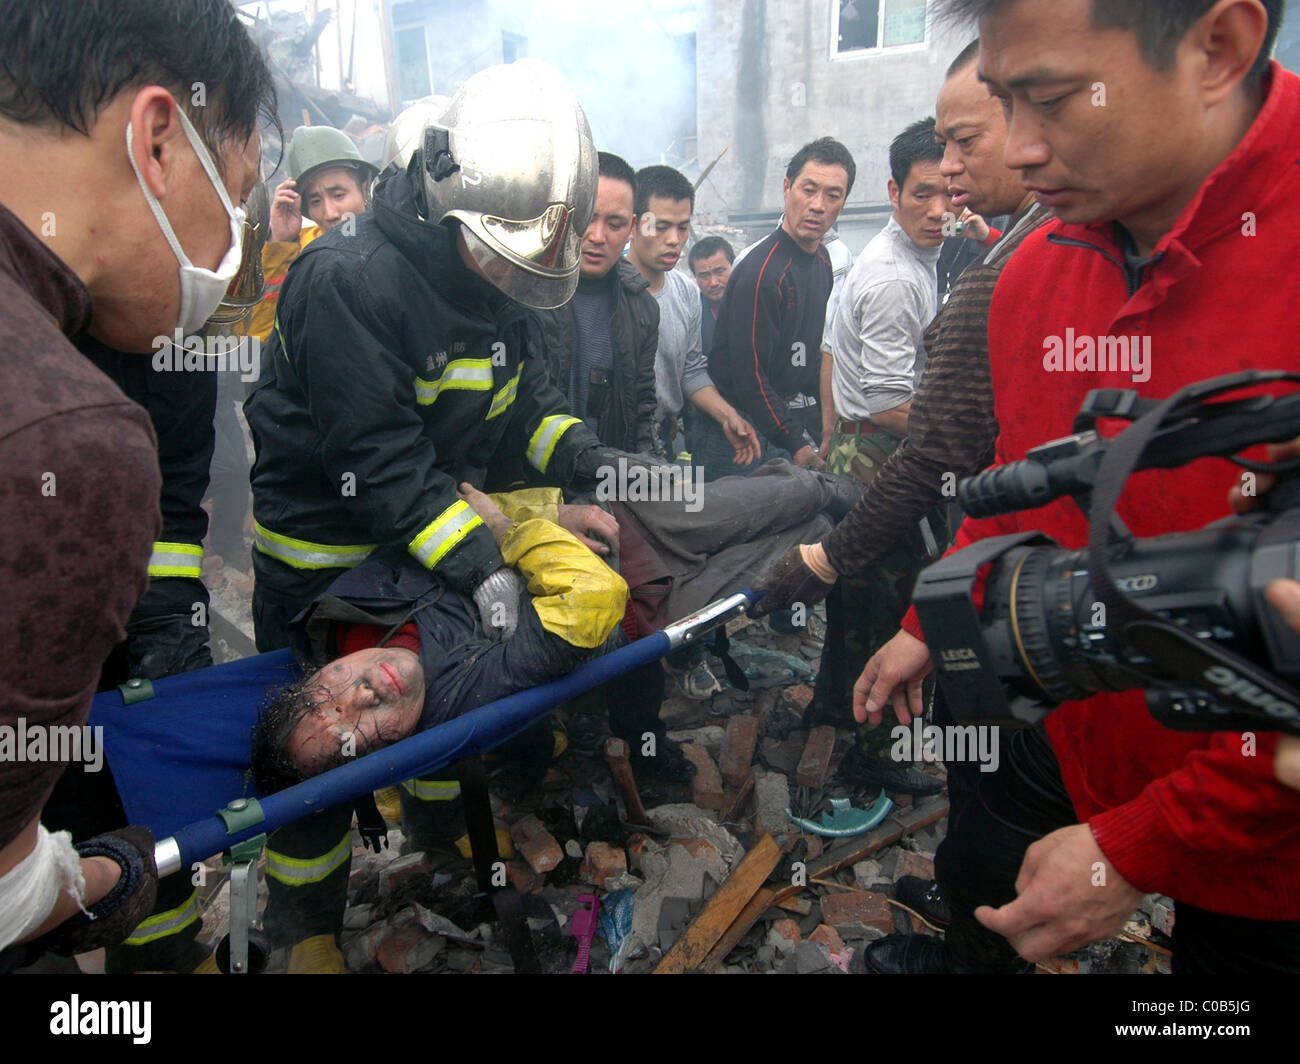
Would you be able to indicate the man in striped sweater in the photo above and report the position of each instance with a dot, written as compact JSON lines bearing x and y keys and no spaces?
{"x":950,"y":429}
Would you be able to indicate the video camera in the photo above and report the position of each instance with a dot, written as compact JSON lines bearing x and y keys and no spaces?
{"x":1182,"y":616}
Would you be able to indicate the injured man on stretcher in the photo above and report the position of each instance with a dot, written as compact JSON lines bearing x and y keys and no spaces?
{"x":391,"y":650}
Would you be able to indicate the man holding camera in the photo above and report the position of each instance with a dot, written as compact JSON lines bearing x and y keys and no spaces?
{"x":1166,"y":143}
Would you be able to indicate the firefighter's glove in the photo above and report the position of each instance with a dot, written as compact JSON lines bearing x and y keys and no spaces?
{"x":497,"y":599}
{"x":801,"y":575}
{"x":166,"y":646}
{"x":622,"y":476}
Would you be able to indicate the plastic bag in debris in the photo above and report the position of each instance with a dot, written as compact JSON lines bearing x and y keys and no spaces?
{"x":615,"y":923}
{"x":765,"y":667}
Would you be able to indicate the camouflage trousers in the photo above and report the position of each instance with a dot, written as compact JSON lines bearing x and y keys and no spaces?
{"x":864,"y":613}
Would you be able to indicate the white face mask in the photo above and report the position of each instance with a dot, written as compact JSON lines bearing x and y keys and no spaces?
{"x":201,"y":290}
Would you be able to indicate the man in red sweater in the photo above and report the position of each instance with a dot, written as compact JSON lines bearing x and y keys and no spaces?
{"x":1167,"y":145}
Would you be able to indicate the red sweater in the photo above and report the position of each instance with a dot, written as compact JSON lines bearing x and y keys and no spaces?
{"x":354,"y":637}
{"x":1185,"y":814}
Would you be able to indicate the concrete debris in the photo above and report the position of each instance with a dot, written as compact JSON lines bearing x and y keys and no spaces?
{"x":708,"y":853}
{"x":711,"y":737}
{"x":784,"y":936}
{"x":756,"y":753}
{"x":868,"y":874}
{"x":686,"y":821}
{"x":772,"y":799}
{"x":812,"y":958}
{"x":673,"y":874}
{"x":1160,"y":909}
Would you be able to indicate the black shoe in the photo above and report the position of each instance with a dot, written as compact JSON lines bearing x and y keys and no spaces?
{"x":888,"y":775}
{"x":668,"y":765}
{"x":923,"y":899}
{"x":842,"y":494}
{"x":906,"y":955}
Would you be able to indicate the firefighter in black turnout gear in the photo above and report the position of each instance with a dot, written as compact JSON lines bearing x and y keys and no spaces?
{"x":402,"y":363}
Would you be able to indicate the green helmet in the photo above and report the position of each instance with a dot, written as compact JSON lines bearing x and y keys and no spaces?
{"x":315,"y":147}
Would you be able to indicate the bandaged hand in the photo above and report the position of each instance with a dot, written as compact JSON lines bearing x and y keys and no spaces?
{"x":799,"y":575}
{"x":497,"y":599}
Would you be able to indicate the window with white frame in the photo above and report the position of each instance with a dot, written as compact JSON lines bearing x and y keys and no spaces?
{"x":863,"y":25}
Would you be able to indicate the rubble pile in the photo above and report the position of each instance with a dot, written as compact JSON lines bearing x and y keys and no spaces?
{"x":719,"y":877}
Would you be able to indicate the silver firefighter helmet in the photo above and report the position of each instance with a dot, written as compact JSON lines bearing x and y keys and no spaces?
{"x":248,"y":286}
{"x":513,"y":161}
{"x":406,"y":132}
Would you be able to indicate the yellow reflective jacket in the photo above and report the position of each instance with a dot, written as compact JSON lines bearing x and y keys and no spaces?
{"x":577,"y":596}
{"x":277,"y":257}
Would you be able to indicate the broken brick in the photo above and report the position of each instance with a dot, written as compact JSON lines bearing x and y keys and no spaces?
{"x":536,"y":845}
{"x":638,"y":847}
{"x":701,"y":848}
{"x":603,"y":861}
{"x":813,"y":846}
{"x":360,"y":951}
{"x":816,"y":759}
{"x":411,"y":949}
{"x":915,"y":864}
{"x":784,"y":936}
{"x":402,"y":871}
{"x":523,"y":878}
{"x":827,"y":935}
{"x":738,"y":749}
{"x":798,"y":697}
{"x":858,"y":908}
{"x":706,"y":787}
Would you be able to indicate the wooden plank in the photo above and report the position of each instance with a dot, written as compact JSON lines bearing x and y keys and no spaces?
{"x":738,"y":803}
{"x":761,"y":902}
{"x":721,"y":910}
{"x":850,"y":851}
{"x":802,"y":906}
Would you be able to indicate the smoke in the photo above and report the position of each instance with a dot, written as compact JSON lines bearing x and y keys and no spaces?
{"x":631,"y":63}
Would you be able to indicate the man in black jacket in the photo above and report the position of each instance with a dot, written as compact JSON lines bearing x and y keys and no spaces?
{"x":600,"y":346}
{"x":767,"y":348}
{"x":389,"y":649}
{"x":403,"y":362}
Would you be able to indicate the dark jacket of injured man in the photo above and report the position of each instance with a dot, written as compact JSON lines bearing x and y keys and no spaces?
{"x":391,"y":649}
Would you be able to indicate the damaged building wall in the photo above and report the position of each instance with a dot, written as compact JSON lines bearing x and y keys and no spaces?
{"x":787,"y":88}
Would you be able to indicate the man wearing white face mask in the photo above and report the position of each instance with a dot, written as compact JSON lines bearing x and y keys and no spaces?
{"x":201,"y":289}
{"x":79,"y":482}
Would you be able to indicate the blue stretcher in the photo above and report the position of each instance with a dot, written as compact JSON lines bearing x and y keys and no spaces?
{"x":180,"y":759}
